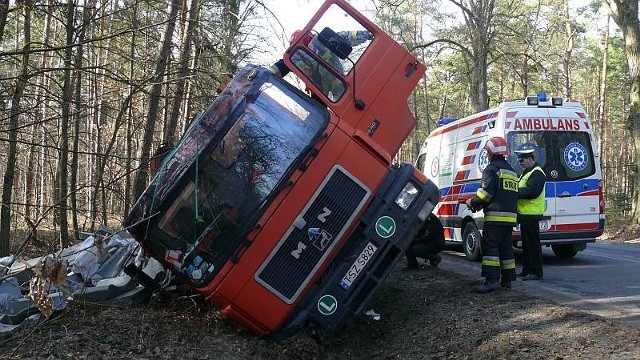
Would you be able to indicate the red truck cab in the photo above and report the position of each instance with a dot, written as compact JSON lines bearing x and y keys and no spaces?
{"x":284,"y":207}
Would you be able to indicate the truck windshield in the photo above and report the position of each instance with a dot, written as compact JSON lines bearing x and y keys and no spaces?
{"x":563,"y":155}
{"x":231,"y":181}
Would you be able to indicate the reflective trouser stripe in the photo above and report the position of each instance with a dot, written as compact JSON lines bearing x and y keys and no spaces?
{"x":508,"y":264}
{"x":505,"y":219}
{"x":498,"y":261}
{"x":491,"y":261}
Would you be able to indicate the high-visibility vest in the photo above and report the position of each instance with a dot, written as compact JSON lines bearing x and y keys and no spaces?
{"x":534,"y":206}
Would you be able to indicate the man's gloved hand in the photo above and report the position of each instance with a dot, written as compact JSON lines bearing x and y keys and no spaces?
{"x":468,"y":203}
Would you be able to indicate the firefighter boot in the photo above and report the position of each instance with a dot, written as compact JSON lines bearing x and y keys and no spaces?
{"x":487,"y":286}
{"x":434,"y":260}
{"x":412,"y":264}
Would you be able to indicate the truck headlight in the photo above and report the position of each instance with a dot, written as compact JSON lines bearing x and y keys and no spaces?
{"x":407,"y":195}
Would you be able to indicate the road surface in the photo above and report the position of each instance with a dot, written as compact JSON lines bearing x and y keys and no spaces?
{"x":604,"y":279}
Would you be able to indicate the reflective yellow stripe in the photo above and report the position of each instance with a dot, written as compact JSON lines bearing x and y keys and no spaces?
{"x":508,"y":266}
{"x":484,"y":195}
{"x":502,"y":216}
{"x":489,"y":262}
{"x":507,"y":219}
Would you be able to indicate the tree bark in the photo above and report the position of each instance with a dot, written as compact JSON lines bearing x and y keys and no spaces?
{"x":171,"y":134}
{"x":67,"y":94}
{"x":152,"y":114}
{"x":625,"y":14}
{"x":603,"y":102}
{"x":568,"y":50}
{"x":4,"y":11}
{"x":32,"y":163}
{"x":9,"y":175}
{"x":78,"y":112}
{"x":129,"y":140}
{"x":478,"y":15}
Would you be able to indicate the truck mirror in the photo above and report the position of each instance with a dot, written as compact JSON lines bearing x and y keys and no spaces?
{"x":334,"y":42}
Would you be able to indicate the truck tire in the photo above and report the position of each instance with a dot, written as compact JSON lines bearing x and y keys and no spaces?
{"x":564,"y":251}
{"x":471,"y":242}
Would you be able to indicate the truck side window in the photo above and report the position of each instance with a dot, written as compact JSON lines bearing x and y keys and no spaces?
{"x":331,"y":86}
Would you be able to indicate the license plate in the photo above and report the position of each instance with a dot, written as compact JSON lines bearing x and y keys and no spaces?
{"x":358,"y":265}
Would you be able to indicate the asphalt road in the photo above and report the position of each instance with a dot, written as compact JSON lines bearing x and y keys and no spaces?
{"x":604,"y":279}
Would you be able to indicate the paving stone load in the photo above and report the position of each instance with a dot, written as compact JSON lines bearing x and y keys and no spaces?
{"x":94,"y":270}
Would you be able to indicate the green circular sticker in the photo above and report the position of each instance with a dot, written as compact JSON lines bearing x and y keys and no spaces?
{"x":385,"y":227}
{"x":327,"y":305}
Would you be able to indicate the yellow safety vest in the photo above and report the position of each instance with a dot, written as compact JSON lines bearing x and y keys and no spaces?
{"x":534,"y":206}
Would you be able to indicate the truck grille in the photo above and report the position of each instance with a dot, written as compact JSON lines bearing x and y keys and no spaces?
{"x":310,"y":239}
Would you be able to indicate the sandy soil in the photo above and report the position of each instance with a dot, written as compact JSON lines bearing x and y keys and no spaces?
{"x":425,"y":314}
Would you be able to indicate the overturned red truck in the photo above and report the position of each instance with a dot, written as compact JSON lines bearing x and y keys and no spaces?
{"x":284,"y":207}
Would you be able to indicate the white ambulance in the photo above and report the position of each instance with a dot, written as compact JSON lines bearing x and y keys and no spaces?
{"x":452,"y":156}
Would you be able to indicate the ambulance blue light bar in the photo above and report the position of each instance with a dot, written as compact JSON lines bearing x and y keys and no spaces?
{"x":445,"y":121}
{"x":542,"y":96}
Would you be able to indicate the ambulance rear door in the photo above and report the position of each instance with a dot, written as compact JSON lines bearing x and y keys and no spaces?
{"x":566,"y":151}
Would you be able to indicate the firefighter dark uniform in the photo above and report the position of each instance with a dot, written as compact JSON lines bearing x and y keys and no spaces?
{"x":531,"y":206}
{"x":497,"y":196}
{"x":426,"y":244}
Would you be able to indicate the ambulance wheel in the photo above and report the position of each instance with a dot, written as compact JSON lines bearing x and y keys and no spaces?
{"x":564,"y":251}
{"x":471,"y":242}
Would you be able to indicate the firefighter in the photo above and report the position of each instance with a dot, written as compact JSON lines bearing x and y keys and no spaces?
{"x":427,"y":243}
{"x":354,"y":38}
{"x":531,"y":206}
{"x":330,"y":85}
{"x":498,"y":197}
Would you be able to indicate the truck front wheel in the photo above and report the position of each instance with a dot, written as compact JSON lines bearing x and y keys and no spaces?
{"x":564,"y":251}
{"x":471,"y":242}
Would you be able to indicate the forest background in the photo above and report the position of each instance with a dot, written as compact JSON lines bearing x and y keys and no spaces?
{"x":88,"y":88}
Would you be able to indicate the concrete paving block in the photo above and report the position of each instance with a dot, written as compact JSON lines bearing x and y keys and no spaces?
{"x":110,"y":289}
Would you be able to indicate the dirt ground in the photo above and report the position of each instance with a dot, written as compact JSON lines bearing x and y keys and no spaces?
{"x":425,"y":314}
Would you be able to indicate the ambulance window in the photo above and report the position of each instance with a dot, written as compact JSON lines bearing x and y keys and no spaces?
{"x":420,"y":162}
{"x":563,"y":155}
{"x":574,"y":154}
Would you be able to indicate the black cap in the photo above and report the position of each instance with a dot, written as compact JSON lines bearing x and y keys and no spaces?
{"x":525,"y":153}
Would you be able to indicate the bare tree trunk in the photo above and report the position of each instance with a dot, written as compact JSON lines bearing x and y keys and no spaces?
{"x":67,"y":93}
{"x":625,"y":14}
{"x":86,"y":18}
{"x":427,"y":114}
{"x":129,"y":140}
{"x":183,"y":73}
{"x":524,"y":77}
{"x":4,"y":11}
{"x":188,"y":103}
{"x":603,"y":101}
{"x":152,"y":116}
{"x":9,"y":175}
{"x":478,"y":15}
{"x":99,"y":122}
{"x":443,"y":106}
{"x":568,"y":50}
{"x":32,"y":162}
